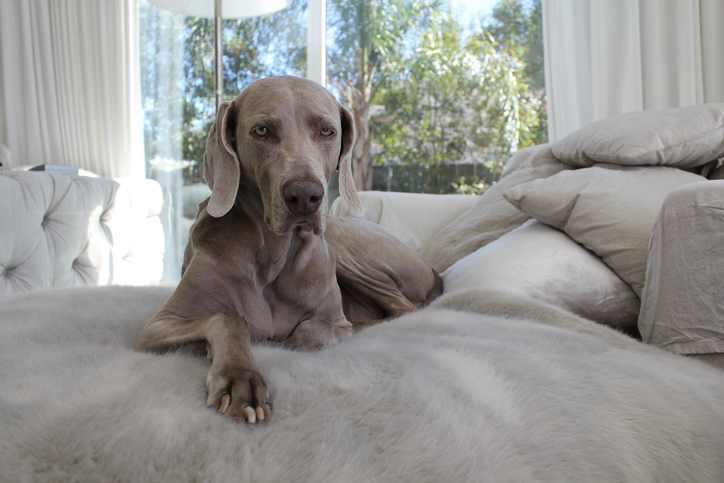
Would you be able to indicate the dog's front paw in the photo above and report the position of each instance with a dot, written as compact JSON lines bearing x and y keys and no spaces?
{"x":238,"y":392}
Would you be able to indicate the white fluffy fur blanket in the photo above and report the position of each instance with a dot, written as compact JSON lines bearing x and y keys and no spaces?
{"x":440,"y":395}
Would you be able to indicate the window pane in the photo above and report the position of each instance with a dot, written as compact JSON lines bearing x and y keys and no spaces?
{"x":177,"y":86}
{"x":258,"y":47}
{"x":442,"y":91}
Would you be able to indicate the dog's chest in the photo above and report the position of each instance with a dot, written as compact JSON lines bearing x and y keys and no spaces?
{"x":301,"y":289}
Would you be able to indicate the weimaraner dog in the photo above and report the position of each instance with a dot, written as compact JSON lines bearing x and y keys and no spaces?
{"x":265,"y":261}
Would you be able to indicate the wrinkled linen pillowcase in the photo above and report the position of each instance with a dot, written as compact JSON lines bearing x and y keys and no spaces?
{"x":491,"y":216}
{"x":681,"y":309}
{"x":609,"y":209}
{"x":544,"y":263}
{"x":682,"y":137}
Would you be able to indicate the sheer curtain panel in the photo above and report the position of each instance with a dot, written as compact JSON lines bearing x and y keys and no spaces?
{"x":70,"y":85}
{"x":606,"y":57}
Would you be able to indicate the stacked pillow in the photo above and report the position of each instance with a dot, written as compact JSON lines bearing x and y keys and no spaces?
{"x":603,"y":186}
{"x":538,"y":261}
{"x":684,"y":138}
{"x":608,"y":209}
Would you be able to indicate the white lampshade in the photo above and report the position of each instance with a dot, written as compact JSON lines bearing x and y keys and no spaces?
{"x":229,"y":8}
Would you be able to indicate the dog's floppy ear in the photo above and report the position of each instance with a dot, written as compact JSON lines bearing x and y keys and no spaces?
{"x":221,"y":165}
{"x":347,"y":189}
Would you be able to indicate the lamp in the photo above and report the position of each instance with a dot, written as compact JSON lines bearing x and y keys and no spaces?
{"x":218,"y":10}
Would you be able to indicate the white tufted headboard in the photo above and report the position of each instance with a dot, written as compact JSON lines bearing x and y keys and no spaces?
{"x":61,"y":231}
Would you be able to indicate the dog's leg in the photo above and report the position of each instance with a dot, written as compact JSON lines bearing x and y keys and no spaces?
{"x":165,"y":331}
{"x":378,"y":274}
{"x":235,"y":387}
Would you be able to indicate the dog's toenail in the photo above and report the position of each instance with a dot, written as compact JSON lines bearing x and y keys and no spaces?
{"x":225,"y":403}
{"x":250,"y":414}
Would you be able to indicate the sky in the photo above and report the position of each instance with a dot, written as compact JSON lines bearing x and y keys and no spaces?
{"x":469,"y":12}
{"x":465,"y":9}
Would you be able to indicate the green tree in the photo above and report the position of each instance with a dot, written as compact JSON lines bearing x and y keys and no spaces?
{"x":422,"y":92}
{"x":517,"y":27}
{"x":461,"y":101}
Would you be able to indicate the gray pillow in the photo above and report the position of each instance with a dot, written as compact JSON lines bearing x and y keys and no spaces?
{"x":543,"y":263}
{"x":609,"y":209}
{"x":684,"y":137}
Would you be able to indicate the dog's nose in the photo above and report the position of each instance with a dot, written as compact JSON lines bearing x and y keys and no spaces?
{"x":303,"y":197}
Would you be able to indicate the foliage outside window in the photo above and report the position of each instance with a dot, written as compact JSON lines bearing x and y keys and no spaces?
{"x":429,"y":90}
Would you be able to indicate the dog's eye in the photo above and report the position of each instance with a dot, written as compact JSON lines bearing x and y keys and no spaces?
{"x":260,"y":131}
{"x":327,"y":132}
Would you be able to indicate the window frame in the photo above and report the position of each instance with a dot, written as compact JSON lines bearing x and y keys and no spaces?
{"x":316,"y":41}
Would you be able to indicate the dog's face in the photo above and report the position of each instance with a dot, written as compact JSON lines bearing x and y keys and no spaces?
{"x":286,"y":135}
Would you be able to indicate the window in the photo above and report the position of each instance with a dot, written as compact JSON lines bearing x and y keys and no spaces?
{"x":442,"y":91}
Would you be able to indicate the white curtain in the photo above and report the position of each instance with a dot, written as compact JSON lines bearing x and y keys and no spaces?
{"x":70,"y":86}
{"x":605,"y":57}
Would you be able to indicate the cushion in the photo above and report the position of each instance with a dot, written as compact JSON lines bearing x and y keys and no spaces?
{"x":684,"y":137}
{"x":681,"y":305}
{"x":63,"y":231}
{"x":492,"y":216}
{"x":409,"y":217}
{"x":609,"y":209}
{"x":544,"y":263}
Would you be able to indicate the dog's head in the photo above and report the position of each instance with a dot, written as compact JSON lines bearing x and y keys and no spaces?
{"x":284,"y":136}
